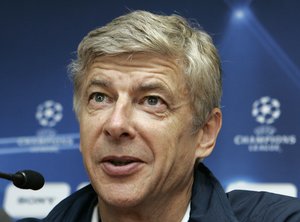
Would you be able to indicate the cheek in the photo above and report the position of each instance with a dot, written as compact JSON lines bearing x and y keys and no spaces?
{"x":167,"y":142}
{"x":88,"y":136}
{"x":184,"y":143}
{"x":87,"y":144}
{"x":174,"y":157}
{"x":90,"y":126}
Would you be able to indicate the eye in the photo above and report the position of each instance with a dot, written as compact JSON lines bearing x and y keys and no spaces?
{"x":98,"y":97}
{"x":154,"y":103}
{"x":152,"y":100}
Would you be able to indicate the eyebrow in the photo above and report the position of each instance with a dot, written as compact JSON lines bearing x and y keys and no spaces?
{"x":99,"y":82}
{"x":143,"y":87}
{"x":150,"y":86}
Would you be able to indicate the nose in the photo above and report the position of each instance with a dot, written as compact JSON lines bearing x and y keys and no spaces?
{"x":118,"y":125}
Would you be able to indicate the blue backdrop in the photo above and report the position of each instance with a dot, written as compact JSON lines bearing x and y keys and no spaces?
{"x":259,"y":45}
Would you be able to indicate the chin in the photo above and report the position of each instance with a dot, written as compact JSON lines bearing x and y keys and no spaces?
{"x":121,"y":202}
{"x":120,"y":197}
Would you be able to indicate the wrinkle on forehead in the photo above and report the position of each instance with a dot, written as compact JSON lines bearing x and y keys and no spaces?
{"x":142,"y":61}
{"x":152,"y":65}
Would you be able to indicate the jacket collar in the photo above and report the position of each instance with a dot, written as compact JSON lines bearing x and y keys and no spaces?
{"x":209,"y":201}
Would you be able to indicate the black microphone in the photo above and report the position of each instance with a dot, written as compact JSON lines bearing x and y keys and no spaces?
{"x":25,"y":179}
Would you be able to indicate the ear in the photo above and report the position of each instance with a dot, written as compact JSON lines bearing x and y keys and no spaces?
{"x":208,"y":134}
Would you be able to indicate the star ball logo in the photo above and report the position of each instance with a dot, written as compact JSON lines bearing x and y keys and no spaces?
{"x":49,"y":113}
{"x":265,"y":111}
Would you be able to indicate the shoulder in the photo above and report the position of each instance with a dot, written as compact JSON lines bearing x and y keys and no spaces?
{"x":264,"y":206}
{"x":77,"y":207}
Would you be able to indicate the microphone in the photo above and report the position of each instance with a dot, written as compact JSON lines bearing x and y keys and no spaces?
{"x":25,"y":179}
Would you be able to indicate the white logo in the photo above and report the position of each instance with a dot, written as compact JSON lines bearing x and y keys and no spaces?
{"x":264,"y":138}
{"x":20,"y":203}
{"x":49,"y":113}
{"x":266,"y":110}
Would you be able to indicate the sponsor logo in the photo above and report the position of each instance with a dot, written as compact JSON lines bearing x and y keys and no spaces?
{"x":28,"y":203}
{"x":265,"y":137}
{"x":48,"y":115}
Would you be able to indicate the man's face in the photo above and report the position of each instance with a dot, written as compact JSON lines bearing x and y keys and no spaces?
{"x":135,"y":127}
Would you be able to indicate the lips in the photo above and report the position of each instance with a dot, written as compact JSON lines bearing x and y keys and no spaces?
{"x":121,"y":166}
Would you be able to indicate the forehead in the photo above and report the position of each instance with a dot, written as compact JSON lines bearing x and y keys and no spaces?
{"x":137,"y":67}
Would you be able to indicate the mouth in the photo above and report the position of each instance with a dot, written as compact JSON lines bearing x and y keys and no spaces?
{"x":121,"y":166}
{"x":120,"y":161}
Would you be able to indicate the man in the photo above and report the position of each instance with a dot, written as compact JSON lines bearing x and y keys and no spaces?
{"x":147,"y":90}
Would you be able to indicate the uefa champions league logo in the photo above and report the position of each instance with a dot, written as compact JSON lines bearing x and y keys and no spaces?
{"x":266,"y":110}
{"x":49,"y":113}
{"x":47,"y":139}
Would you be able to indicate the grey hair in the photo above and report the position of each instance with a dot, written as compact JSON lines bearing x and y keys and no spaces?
{"x":173,"y":36}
